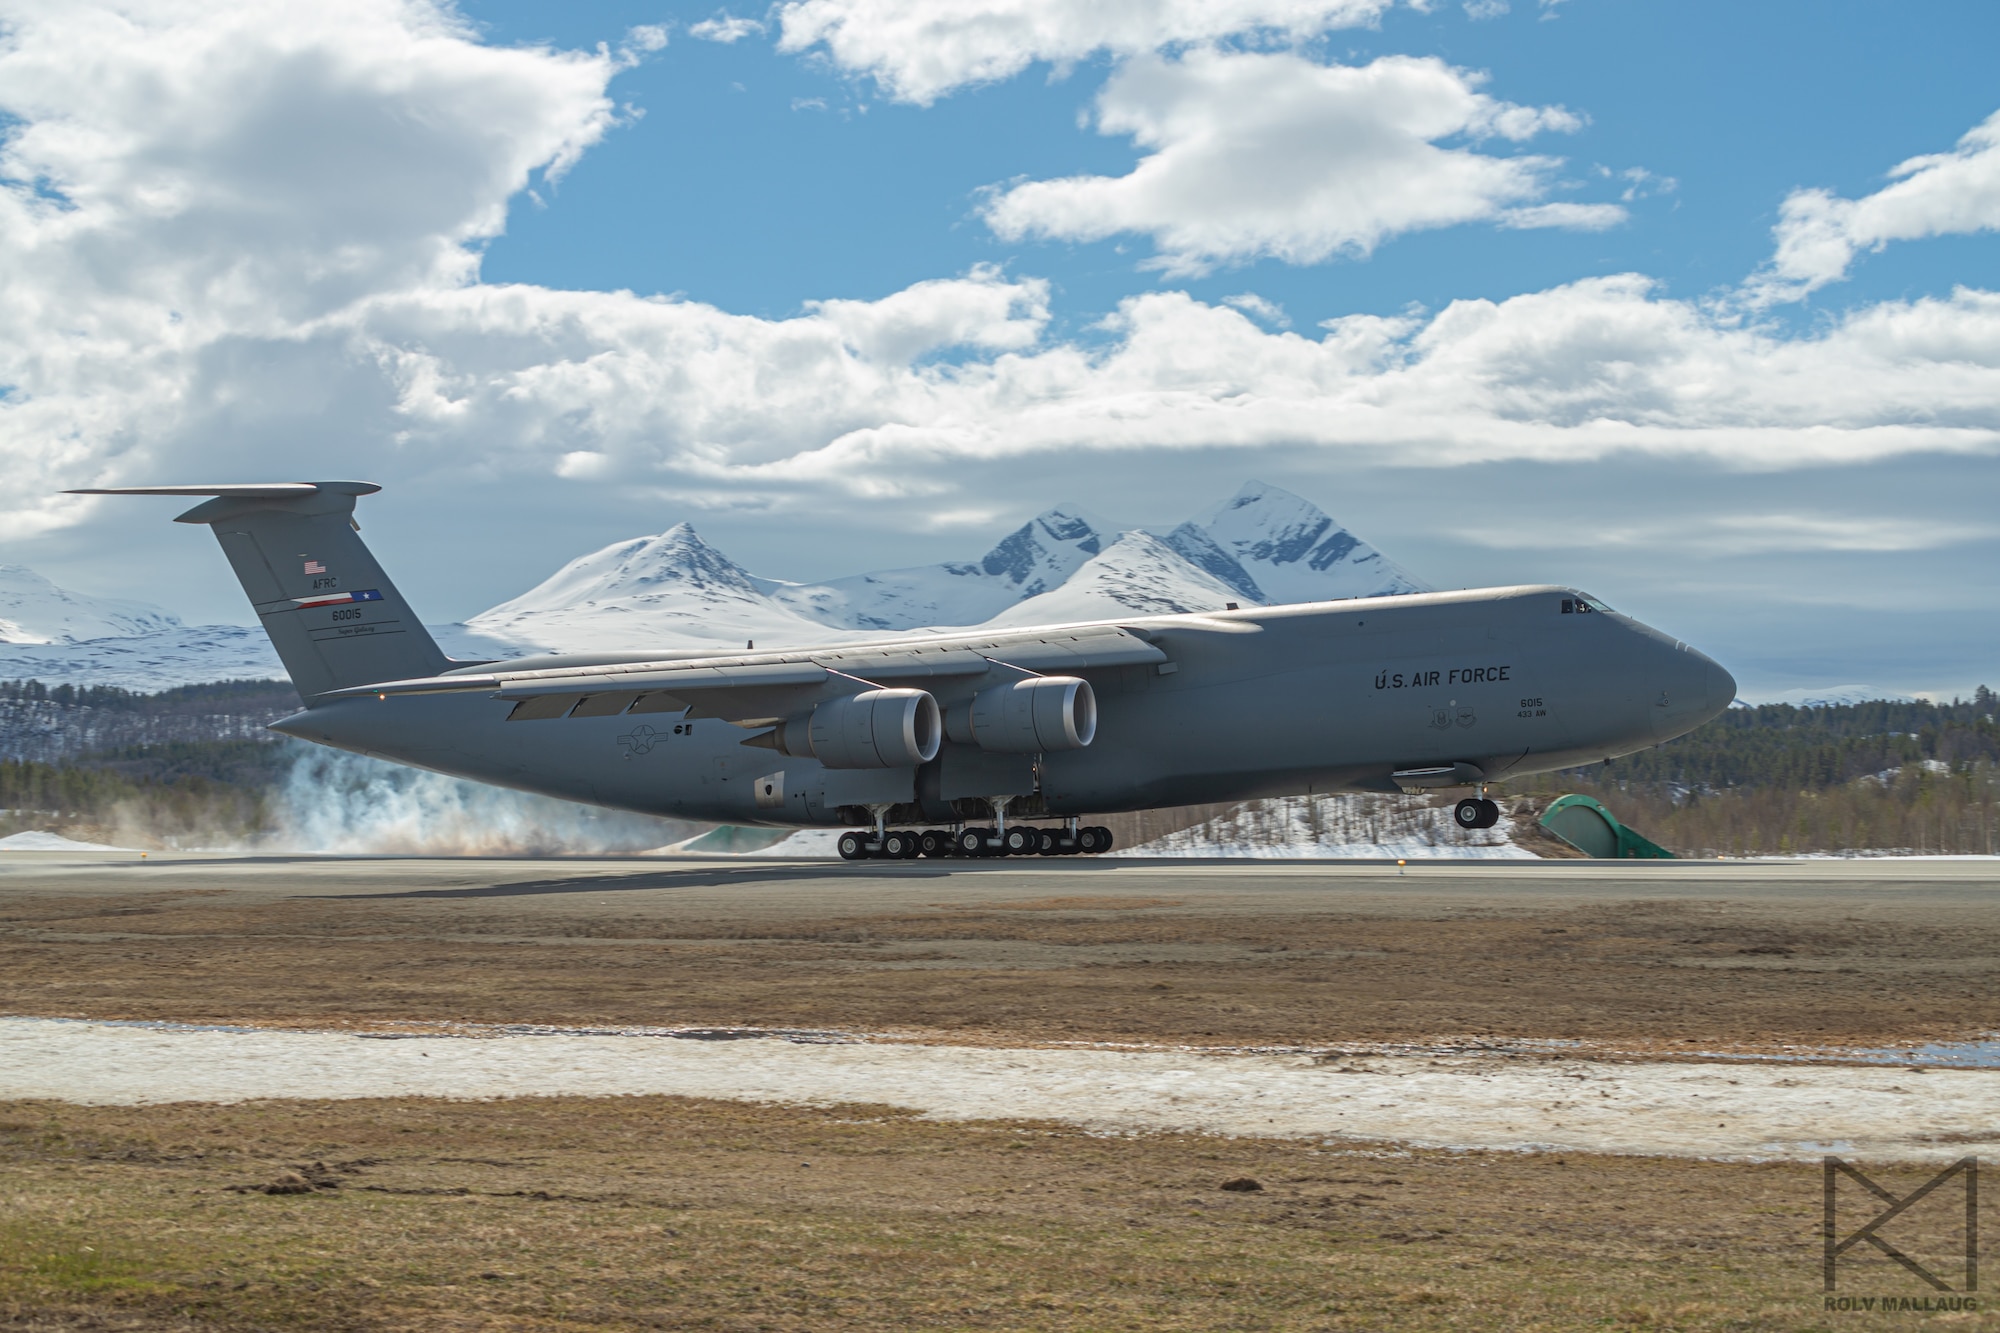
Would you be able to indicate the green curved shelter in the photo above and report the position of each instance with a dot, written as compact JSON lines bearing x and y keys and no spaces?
{"x":1587,"y":826}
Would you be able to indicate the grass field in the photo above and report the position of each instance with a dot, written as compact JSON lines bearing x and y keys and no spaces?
{"x":667,"y":1213}
{"x":645,"y":1212}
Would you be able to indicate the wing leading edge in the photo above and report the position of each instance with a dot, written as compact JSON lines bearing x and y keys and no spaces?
{"x":756,"y":689}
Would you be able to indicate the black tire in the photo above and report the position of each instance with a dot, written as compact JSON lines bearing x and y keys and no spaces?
{"x":898,"y":845}
{"x":934,"y":843}
{"x":1489,"y":813}
{"x":970,"y":842}
{"x":853,"y":847}
{"x":1022,"y":841}
{"x":1052,"y":842}
{"x":1093,"y":839}
{"x":1104,"y":839}
{"x":1467,"y":813}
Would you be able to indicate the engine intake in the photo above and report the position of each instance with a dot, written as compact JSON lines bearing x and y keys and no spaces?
{"x":1028,"y":716}
{"x":873,"y":729}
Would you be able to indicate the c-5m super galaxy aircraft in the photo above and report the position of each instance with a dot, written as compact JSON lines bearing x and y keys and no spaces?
{"x":971,"y":736}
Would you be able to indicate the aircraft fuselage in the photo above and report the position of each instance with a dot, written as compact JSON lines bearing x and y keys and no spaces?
{"x":1269,"y":701}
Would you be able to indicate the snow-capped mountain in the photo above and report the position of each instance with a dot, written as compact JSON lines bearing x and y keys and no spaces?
{"x":1038,"y":557}
{"x":1137,"y":574}
{"x":1262,"y":546}
{"x":34,"y":610}
{"x":182,"y":655}
{"x":674,"y":591}
{"x":1274,"y":547}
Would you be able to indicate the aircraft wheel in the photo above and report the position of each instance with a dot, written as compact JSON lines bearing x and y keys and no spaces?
{"x":1104,"y":839}
{"x":1052,"y":842}
{"x":1021,"y":841}
{"x":970,"y":842}
{"x":899,"y":846}
{"x":853,"y":847}
{"x":1471,"y":813}
{"x":933,"y":843}
{"x":1093,"y":839}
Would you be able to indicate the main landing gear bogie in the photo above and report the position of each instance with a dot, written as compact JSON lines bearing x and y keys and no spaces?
{"x":1476,"y":812}
{"x":1019,"y":840}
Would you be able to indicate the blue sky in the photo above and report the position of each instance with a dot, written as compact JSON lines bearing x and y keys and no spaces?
{"x":729,"y":191}
{"x":1621,"y":295}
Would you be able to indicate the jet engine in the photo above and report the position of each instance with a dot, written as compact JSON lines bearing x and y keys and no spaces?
{"x":1028,"y":716}
{"x":873,"y":729}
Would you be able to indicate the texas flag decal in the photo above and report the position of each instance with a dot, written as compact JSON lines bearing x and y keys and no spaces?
{"x":338,"y":598}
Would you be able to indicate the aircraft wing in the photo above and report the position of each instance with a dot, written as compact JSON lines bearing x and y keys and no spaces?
{"x":756,"y":689}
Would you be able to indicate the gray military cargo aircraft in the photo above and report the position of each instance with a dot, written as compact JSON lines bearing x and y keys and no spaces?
{"x":947,"y":731}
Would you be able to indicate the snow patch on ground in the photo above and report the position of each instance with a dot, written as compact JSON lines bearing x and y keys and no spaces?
{"x":1361,"y":827}
{"x":1831,"y":696}
{"x":1490,"y":1101}
{"x":804,"y":844}
{"x":39,"y":840}
{"x":810,"y":843}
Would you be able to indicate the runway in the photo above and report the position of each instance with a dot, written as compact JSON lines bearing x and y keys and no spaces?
{"x":888,"y":884}
{"x":1559,"y":1005}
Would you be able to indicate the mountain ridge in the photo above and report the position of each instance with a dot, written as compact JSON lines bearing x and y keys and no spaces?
{"x":673,"y":590}
{"x":1262,"y":546}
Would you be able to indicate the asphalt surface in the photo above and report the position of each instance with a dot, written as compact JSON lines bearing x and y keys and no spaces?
{"x":1635,"y":957}
{"x":1907,"y":885}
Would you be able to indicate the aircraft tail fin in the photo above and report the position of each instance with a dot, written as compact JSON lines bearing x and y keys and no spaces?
{"x":332,"y":614}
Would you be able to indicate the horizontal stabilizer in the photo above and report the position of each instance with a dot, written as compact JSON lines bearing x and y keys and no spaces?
{"x":249,"y":490}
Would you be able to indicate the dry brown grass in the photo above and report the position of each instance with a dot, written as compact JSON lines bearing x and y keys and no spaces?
{"x":666,"y":1213}
{"x":1018,"y":967}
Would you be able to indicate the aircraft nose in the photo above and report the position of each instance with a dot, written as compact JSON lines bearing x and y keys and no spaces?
{"x":1693,"y":688}
{"x":1721,"y":685}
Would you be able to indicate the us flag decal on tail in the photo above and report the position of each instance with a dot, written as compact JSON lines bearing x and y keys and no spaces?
{"x":338,"y":598}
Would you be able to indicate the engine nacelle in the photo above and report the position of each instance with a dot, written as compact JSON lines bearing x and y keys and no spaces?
{"x":1028,"y":716}
{"x":873,"y":729}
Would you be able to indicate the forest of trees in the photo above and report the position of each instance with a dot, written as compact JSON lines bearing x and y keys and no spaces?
{"x":181,"y":793}
{"x":54,"y":724}
{"x":187,"y":765}
{"x":1775,"y":779}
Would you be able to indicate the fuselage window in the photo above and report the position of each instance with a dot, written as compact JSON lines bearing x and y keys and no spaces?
{"x":1582,"y":606}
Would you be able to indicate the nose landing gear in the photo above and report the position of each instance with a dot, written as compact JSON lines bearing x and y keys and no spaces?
{"x":1476,"y":812}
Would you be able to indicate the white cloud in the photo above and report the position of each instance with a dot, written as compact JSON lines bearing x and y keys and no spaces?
{"x":1734,"y":535}
{"x":233,"y":243}
{"x":1575,"y":217}
{"x":726,"y":28}
{"x":1260,"y":308}
{"x":646,"y":37}
{"x":1940,"y":194}
{"x":791,"y":411}
{"x":921,"y":52}
{"x":173,"y":175}
{"x":1639,"y":183}
{"x":1480,"y":10}
{"x":981,"y":310}
{"x":1269,"y":155}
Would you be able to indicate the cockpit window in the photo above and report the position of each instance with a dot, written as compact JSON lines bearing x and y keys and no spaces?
{"x":1580,"y":605}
